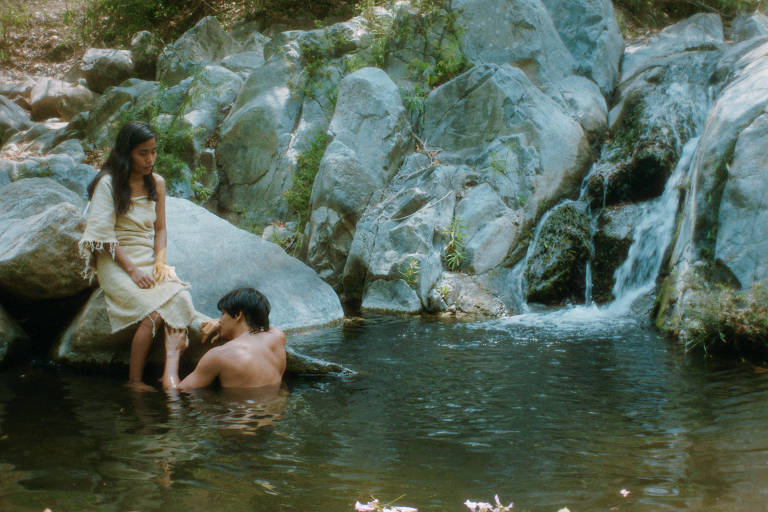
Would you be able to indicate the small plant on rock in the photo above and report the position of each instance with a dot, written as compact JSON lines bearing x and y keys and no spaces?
{"x":453,"y":254}
{"x":307,"y":165}
{"x":410,"y":272}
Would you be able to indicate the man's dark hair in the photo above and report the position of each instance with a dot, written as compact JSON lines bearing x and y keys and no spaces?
{"x":251,"y":303}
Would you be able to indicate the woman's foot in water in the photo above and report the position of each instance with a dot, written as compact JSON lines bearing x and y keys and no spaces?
{"x":139,"y":386}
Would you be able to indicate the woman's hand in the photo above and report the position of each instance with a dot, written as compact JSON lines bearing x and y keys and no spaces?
{"x":163,"y":272}
{"x":210,"y":330}
{"x":141,"y":278}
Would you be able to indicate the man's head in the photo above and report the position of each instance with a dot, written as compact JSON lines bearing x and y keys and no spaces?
{"x":251,"y":303}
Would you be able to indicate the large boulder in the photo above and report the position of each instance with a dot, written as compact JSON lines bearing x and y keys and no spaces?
{"x":254,"y":141}
{"x":720,"y":237}
{"x":13,"y":119}
{"x":40,"y":225}
{"x":371,"y":137}
{"x":519,"y":33}
{"x":56,"y":98}
{"x":390,"y":297}
{"x":109,"y":111}
{"x":10,"y":334}
{"x":104,"y":67}
{"x":493,"y":118}
{"x":590,"y":32}
{"x":557,"y":261}
{"x":214,"y":256}
{"x":205,"y":43}
{"x":145,"y":49}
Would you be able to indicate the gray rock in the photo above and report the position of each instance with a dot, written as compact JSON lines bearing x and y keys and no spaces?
{"x":390,"y":297}
{"x":701,"y":254}
{"x":40,"y":138}
{"x":61,"y":167}
{"x":700,"y":32}
{"x":747,"y":26}
{"x":254,"y":140}
{"x":56,"y":98}
{"x":244,"y":62}
{"x":468,"y":297}
{"x":590,"y":32}
{"x":556,"y":263}
{"x":742,"y":235}
{"x":103,"y":68}
{"x":205,"y":43}
{"x":586,"y":104}
{"x":105,"y":116}
{"x":519,"y":33}
{"x":371,"y":137}
{"x":13,"y":119}
{"x":40,"y":225}
{"x":70,"y":147}
{"x":493,"y":117}
{"x":145,"y":49}
{"x":11,"y":335}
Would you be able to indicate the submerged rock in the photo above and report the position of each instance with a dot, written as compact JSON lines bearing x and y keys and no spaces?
{"x":40,"y":225}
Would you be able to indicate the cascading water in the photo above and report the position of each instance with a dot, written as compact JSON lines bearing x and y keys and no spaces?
{"x":652,"y":235}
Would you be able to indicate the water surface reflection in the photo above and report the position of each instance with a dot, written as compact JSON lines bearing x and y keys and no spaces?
{"x":545,"y":411}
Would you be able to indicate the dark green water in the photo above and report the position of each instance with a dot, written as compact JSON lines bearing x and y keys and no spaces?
{"x":543,"y":411}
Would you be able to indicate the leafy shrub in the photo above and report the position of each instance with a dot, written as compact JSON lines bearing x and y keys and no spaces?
{"x":308,"y":163}
{"x":727,"y":320}
{"x":658,"y":13}
{"x":453,"y":254}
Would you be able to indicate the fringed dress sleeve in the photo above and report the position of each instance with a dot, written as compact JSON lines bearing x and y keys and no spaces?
{"x":99,"y":234}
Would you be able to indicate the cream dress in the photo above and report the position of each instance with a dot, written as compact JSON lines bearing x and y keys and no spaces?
{"x":134,"y":232}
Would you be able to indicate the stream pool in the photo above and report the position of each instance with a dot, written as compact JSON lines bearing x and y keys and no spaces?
{"x":548,"y":411}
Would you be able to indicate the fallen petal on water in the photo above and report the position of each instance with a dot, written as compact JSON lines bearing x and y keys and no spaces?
{"x":624,"y":492}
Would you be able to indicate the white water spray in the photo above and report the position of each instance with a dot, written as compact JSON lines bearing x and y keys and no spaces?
{"x":652,"y":235}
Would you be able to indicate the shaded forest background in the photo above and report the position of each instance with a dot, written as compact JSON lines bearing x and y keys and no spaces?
{"x":112,"y":23}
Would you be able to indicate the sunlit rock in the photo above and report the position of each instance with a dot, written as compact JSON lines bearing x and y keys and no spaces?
{"x":104,"y":67}
{"x":40,"y":225}
{"x":205,"y":43}
{"x":56,"y":98}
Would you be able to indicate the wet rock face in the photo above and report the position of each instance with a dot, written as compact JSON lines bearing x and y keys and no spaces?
{"x":663,"y":102}
{"x":556,"y":269}
{"x":611,"y":244}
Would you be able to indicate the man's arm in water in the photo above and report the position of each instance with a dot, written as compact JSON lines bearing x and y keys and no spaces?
{"x":206,"y":371}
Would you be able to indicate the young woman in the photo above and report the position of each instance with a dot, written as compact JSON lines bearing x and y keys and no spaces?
{"x":124,"y":245}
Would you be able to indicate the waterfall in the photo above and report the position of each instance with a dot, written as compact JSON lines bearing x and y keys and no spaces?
{"x":651,"y":237}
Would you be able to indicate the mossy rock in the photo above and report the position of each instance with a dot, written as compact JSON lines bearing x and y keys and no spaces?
{"x":556,"y":269}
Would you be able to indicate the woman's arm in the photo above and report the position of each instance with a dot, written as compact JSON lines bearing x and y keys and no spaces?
{"x":161,"y":272}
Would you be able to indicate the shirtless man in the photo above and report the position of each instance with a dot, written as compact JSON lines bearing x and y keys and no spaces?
{"x":254,"y":356}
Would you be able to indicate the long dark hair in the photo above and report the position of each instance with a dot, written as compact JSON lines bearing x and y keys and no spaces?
{"x":118,"y":165}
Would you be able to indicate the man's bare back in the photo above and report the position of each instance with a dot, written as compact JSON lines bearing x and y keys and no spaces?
{"x":251,"y":360}
{"x":254,"y":356}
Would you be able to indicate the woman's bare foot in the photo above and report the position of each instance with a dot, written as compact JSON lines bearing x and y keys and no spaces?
{"x":139,"y":386}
